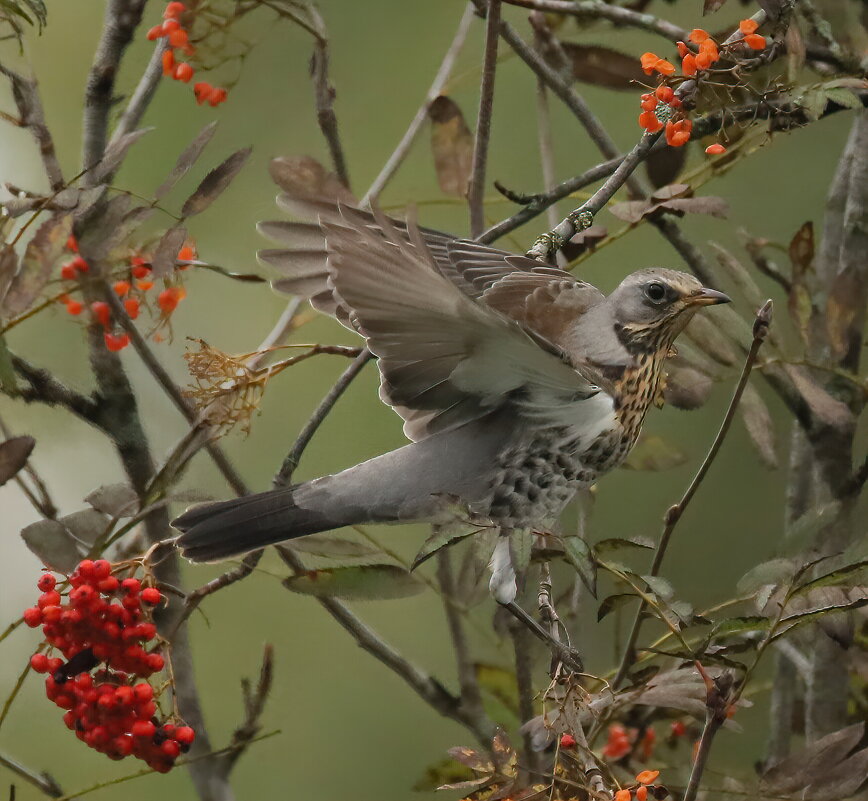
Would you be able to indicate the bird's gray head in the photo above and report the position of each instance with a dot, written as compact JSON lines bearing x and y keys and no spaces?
{"x":651,"y":307}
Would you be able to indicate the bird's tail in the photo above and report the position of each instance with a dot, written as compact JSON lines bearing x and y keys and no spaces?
{"x":215,"y":531}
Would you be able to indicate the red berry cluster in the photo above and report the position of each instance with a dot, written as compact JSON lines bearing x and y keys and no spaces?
{"x":658,"y":108}
{"x":131,"y":289}
{"x":102,"y":626}
{"x":644,"y":782}
{"x":179,"y":39}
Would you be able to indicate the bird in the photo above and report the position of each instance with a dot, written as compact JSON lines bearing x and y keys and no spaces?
{"x":519,"y":384}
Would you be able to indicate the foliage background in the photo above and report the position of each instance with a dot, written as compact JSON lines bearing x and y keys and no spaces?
{"x":349,"y":728}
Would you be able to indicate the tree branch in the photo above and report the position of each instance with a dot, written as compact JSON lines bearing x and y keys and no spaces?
{"x":476,"y":186}
{"x":45,"y":388}
{"x":675,"y":512}
{"x":142,"y":95}
{"x":43,"y":781}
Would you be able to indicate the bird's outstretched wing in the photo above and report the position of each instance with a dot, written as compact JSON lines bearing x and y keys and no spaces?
{"x":458,"y":327}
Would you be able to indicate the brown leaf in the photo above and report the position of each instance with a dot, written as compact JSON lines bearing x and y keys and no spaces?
{"x":672,"y":191}
{"x":39,"y":261}
{"x":302,"y":176}
{"x":166,"y":252}
{"x":709,"y":204}
{"x":583,"y":241}
{"x":187,"y":159}
{"x":86,"y":525}
{"x":686,"y":387}
{"x":664,"y":166}
{"x":844,"y":308}
{"x":452,"y":146}
{"x":214,"y":183}
{"x":115,"y":154}
{"x":601,"y":66}
{"x":630,"y":211}
{"x":115,"y":500}
{"x":801,"y":252}
{"x":8,"y":268}
{"x":760,"y":428}
{"x":710,"y":6}
{"x":14,"y":453}
{"x":471,"y":759}
{"x":53,"y":544}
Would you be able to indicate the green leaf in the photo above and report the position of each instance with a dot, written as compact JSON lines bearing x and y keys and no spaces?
{"x":843,"y":97}
{"x":500,"y":683}
{"x":659,"y":586}
{"x":520,"y":544}
{"x":612,"y":602}
{"x":791,"y":621}
{"x":580,"y":557}
{"x":330,"y":547}
{"x":447,"y":771}
{"x":739,"y":625}
{"x":362,"y":583}
{"x":834,"y":577}
{"x":619,"y":543}
{"x":441,"y":537}
{"x":775,"y":571}
{"x":14,"y":453}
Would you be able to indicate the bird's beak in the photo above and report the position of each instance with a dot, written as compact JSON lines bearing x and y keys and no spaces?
{"x":707,"y":297}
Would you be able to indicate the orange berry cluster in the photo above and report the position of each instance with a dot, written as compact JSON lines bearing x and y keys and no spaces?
{"x":179,"y":39}
{"x":131,"y":290}
{"x":663,"y":106}
{"x":100,"y":620}
{"x":644,"y":783}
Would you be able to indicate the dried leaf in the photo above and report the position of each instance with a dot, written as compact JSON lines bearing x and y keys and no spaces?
{"x":441,"y":537}
{"x":86,"y":525}
{"x":630,"y":211}
{"x":672,"y":192}
{"x":115,"y":500}
{"x":8,"y":268}
{"x":14,"y":453}
{"x":302,"y":176}
{"x":451,"y":145}
{"x":214,"y":183}
{"x":844,"y":309}
{"x":601,"y":66}
{"x":331,"y":547}
{"x":665,"y":165}
{"x":40,"y":259}
{"x":652,"y":452}
{"x":470,"y":784}
{"x":834,"y":577}
{"x":53,"y":544}
{"x":442,"y":773}
{"x":686,"y":388}
{"x":710,"y":6}
{"x":166,"y":252}
{"x":583,"y":241}
{"x":471,"y":758}
{"x":759,"y":425}
{"x":187,"y":159}
{"x":115,"y":154}
{"x":815,"y":763}
{"x":362,"y":583}
{"x":580,"y":557}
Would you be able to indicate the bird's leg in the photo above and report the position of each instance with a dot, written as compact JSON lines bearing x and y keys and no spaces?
{"x":503,"y":588}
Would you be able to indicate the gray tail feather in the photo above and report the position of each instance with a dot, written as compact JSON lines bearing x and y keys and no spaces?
{"x":215,"y":531}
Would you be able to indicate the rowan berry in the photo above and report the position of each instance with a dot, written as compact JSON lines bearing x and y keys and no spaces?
{"x":649,"y":121}
{"x":648,"y":102}
{"x":131,"y":585}
{"x":121,"y":288}
{"x":216,"y":96}
{"x":568,"y":741}
{"x":178,"y":37}
{"x":169,"y":299}
{"x":140,"y":267}
{"x":202,"y":89}
{"x":623,"y":795}
{"x":186,"y":253}
{"x":33,"y":617}
{"x":102,"y":314}
{"x":683,"y":49}
{"x":74,"y":308}
{"x":168,"y":62}
{"x":647,"y":776}
{"x":143,"y":692}
{"x":755,"y":41}
{"x":170,"y":25}
{"x":185,"y":735}
{"x":39,"y":662}
{"x":132,"y":307}
{"x":155,"y":663}
{"x":664,"y":93}
{"x":642,"y":793}
{"x":748,"y":26}
{"x":80,"y":264}
{"x":715,"y":150}
{"x":144,"y":286}
{"x":183,"y":72}
{"x":67,"y":272}
{"x":72,"y":243}
{"x":151,"y":596}
{"x":171,"y":749}
{"x":155,"y":33}
{"x":174,"y":10}
{"x":678,"y":133}
{"x":651,"y":62}
{"x":688,"y":65}
{"x":143,"y":728}
{"x":50,"y":598}
{"x":697,"y":36}
{"x":46,"y":582}
{"x":116,"y":342}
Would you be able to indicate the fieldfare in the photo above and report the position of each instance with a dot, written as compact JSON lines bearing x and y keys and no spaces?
{"x":518,"y":383}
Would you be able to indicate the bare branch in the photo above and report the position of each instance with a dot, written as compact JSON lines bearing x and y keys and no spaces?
{"x":26,"y":95}
{"x":122,"y":17}
{"x":400,"y":153}
{"x":284,"y":475}
{"x":45,"y":388}
{"x":674,"y":513}
{"x":476,"y":187}
{"x":43,"y":781}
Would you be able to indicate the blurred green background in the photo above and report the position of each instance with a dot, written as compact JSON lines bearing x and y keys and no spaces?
{"x":349,"y":728}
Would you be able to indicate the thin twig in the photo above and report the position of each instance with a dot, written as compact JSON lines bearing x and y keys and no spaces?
{"x":400,"y":153}
{"x":675,"y":512}
{"x":544,"y":134}
{"x":476,"y":186}
{"x":284,"y":475}
{"x":142,"y":95}
{"x":43,"y":781}
{"x":45,"y":388}
{"x":324,"y":97}
{"x":599,"y":9}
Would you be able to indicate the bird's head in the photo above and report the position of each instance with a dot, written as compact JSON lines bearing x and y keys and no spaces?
{"x":651,"y":307}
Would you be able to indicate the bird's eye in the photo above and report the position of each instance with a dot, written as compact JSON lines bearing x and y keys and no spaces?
{"x":655,"y":292}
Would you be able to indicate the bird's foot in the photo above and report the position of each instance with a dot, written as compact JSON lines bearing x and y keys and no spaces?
{"x":560,"y":651}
